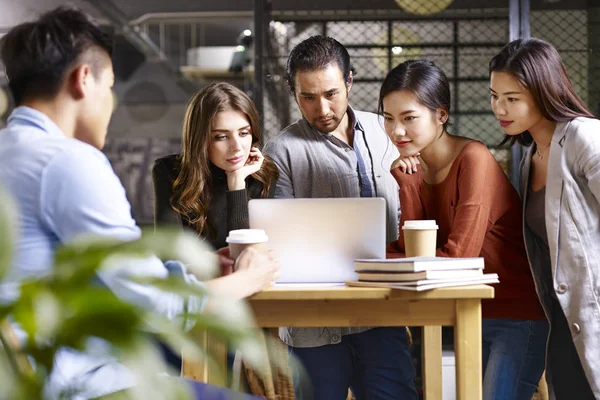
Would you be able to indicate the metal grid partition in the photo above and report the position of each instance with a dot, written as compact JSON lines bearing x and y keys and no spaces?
{"x":461,"y":42}
{"x":379,"y":34}
{"x":575,"y":31}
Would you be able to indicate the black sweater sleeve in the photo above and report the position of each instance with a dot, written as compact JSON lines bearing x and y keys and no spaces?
{"x":237,"y":209}
{"x":162,"y":179}
{"x":237,"y":203}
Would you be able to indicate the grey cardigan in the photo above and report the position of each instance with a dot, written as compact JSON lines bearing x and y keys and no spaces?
{"x":312,"y":166}
{"x":573,"y":226}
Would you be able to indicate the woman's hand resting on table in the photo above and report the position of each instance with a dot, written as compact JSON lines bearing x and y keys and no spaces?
{"x":260,"y":267}
{"x":255,"y":271}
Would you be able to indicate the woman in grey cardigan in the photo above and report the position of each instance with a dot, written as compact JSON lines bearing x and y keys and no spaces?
{"x":534,"y":101}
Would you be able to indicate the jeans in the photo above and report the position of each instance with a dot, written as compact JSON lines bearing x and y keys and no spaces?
{"x":375,"y":365}
{"x":203,"y":391}
{"x":199,"y":391}
{"x":513,"y":358}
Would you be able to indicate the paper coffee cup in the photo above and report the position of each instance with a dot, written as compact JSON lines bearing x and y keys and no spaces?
{"x":241,"y":239}
{"x":420,"y":238}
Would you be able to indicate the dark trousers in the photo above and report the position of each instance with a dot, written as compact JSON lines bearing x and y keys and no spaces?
{"x":375,"y":365}
{"x":564,"y":371}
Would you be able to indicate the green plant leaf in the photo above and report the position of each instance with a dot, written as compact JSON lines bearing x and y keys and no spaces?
{"x":97,"y":312}
{"x":5,"y":310}
{"x":174,"y":285}
{"x":171,"y":244}
{"x":147,"y":364}
{"x":78,"y":261}
{"x":68,"y":307}
{"x":8,"y":231}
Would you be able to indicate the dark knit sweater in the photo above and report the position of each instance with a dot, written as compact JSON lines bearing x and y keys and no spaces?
{"x":228,"y":210}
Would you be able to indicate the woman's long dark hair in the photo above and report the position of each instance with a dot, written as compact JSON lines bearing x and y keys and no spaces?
{"x":191,"y":189}
{"x":538,"y":67}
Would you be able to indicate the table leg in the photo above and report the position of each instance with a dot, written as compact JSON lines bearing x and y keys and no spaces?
{"x":431,"y":355}
{"x":214,"y":372}
{"x":467,"y":346}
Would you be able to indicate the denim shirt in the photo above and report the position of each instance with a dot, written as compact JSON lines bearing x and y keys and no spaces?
{"x":65,"y":188}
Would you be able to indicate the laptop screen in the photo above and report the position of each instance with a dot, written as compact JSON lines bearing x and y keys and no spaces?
{"x":317,"y":240}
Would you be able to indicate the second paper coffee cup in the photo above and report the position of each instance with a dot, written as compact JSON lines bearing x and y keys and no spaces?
{"x":241,"y":239}
{"x":420,"y":237}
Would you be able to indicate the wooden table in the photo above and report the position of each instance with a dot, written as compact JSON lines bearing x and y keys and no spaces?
{"x":351,"y":306}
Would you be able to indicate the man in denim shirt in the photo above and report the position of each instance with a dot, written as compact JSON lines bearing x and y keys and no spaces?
{"x":60,"y":74}
{"x":336,"y":151}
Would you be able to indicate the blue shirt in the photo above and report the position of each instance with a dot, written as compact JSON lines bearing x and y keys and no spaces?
{"x":66,"y":188}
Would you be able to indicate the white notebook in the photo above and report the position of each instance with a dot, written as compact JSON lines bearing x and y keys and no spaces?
{"x":416,"y":276}
{"x":427,"y":284}
{"x":415,"y":264}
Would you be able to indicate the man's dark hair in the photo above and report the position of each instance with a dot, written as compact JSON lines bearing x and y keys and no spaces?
{"x":317,"y":52}
{"x":37,"y":54}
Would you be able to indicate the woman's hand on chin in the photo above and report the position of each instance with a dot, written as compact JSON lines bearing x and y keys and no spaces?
{"x":236,"y":179}
{"x":407,"y":164}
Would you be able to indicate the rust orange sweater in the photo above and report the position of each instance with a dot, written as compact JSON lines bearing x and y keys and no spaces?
{"x":479,"y":214}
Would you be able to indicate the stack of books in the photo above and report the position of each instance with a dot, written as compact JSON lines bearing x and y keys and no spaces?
{"x":421,"y":273}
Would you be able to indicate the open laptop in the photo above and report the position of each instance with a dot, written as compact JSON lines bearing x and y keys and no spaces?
{"x":317,"y":240}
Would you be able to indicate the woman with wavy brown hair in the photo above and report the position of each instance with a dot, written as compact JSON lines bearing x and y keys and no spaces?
{"x":206,"y":188}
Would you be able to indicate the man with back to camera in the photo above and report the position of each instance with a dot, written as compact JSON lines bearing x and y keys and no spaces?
{"x":60,"y":74}
{"x":336,"y":151}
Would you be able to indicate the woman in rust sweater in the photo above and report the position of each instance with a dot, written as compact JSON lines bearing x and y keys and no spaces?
{"x":457,"y":182}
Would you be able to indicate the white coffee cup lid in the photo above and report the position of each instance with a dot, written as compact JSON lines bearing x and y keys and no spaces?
{"x":420,"y":224}
{"x":247,"y":236}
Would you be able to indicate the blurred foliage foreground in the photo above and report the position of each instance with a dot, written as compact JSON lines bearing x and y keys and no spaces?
{"x":69,"y":307}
